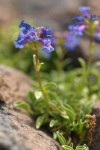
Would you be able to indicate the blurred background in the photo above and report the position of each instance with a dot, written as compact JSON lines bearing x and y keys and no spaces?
{"x":54,"y":13}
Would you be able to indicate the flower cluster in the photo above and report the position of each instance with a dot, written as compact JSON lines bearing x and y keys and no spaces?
{"x":40,"y":34}
{"x":86,"y":23}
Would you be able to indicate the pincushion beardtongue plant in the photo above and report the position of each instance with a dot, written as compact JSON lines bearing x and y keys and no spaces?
{"x":49,"y":103}
{"x":45,"y":103}
{"x":40,"y":37}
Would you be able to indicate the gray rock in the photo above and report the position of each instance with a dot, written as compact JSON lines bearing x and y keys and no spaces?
{"x":14,"y":85}
{"x":15,"y":134}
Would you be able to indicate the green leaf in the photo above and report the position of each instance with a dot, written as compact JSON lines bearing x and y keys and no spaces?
{"x":34,"y":60}
{"x":24,"y":106}
{"x":40,"y":121}
{"x":31,"y":97}
{"x":88,"y":107}
{"x":82,"y":62}
{"x":84,"y":147}
{"x":79,"y":126}
{"x":37,"y":65}
{"x":38,"y":94}
{"x":69,"y":107}
{"x":68,"y":113}
{"x":50,"y":85}
{"x":54,"y":123}
{"x":66,"y":147}
{"x":54,"y":135}
{"x":61,"y":138}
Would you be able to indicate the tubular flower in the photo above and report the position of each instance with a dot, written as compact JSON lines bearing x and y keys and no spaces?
{"x":47,"y":48}
{"x":77,"y":29}
{"x":44,"y":32}
{"x":71,"y":42}
{"x":85,"y":10}
{"x":29,"y":33}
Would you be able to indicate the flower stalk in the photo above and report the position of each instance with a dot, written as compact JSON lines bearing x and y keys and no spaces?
{"x":37,"y":68}
{"x":91,"y":53}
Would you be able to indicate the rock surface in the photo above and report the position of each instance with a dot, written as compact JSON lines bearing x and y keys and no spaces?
{"x":14,"y":85}
{"x":16,"y":128}
{"x":95,"y":145}
{"x":15,"y":134}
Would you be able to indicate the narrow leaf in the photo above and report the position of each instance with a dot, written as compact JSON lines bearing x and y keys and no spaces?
{"x":50,"y":85}
{"x":24,"y":106}
{"x":61,"y":138}
{"x":66,"y":147}
{"x":82,"y":62}
{"x":40,"y":121}
{"x":53,"y":123}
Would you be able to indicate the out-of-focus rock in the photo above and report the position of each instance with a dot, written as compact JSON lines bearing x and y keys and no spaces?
{"x":14,"y":85}
{"x":95,"y":6}
{"x":15,"y":134}
{"x":53,"y":13}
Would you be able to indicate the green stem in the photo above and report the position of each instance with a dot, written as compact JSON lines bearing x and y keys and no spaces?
{"x":88,"y":65}
{"x":91,"y":47}
{"x":90,"y":58}
{"x":39,"y":78}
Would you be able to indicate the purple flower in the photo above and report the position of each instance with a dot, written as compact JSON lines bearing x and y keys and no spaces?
{"x":79,"y":18}
{"x":25,"y":27}
{"x":45,"y":32}
{"x":77,"y":29}
{"x":86,"y":22}
{"x":47,"y":48}
{"x":93,"y":17}
{"x":29,"y":30}
{"x":97,"y":36}
{"x":85,"y":10}
{"x":40,"y":34}
{"x":28,"y":33}
{"x":21,"y":41}
{"x":71,"y":42}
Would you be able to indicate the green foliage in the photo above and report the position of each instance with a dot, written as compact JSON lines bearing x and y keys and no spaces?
{"x":64,"y":145}
{"x":63,"y":103}
{"x":67,"y":102}
{"x":24,"y":106}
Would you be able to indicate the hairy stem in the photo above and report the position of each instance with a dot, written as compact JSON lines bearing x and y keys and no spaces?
{"x":39,"y":78}
{"x":90,"y":58}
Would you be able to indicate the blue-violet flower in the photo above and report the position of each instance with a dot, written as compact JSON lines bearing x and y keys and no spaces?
{"x":86,"y":23}
{"x":30,"y":33}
